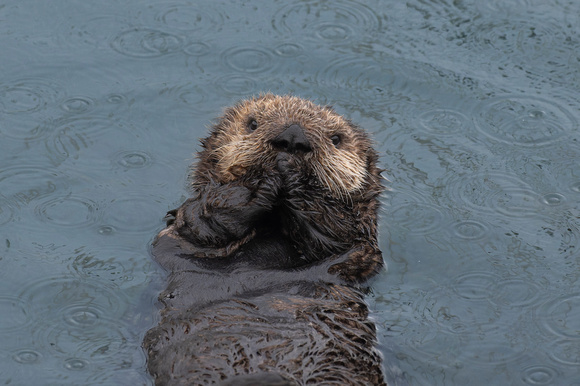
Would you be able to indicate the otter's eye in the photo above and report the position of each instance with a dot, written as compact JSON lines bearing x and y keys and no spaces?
{"x":335,"y":140}
{"x":252,"y":124}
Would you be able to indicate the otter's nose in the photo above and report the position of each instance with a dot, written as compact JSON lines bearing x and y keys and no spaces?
{"x":292,"y":140}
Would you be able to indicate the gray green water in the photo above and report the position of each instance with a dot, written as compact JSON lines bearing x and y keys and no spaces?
{"x":475,"y":108}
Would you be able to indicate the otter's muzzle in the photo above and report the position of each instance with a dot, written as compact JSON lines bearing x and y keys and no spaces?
{"x":292,"y":140}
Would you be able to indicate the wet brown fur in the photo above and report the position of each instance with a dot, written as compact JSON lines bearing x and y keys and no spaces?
{"x":267,"y":258}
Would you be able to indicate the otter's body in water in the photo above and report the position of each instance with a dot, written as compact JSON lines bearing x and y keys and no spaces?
{"x":267,"y":258}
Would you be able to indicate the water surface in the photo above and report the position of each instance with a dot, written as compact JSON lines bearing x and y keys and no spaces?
{"x":474,"y":106}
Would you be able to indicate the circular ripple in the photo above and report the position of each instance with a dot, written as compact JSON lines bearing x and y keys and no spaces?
{"x":132,"y":214}
{"x":116,"y":99}
{"x":68,"y":211}
{"x":27,"y":356}
{"x":520,"y":36}
{"x":514,"y":202}
{"x":575,"y":187}
{"x":524,"y":121}
{"x":147,"y":43}
{"x":539,"y":375}
{"x":190,"y":17}
{"x":490,"y":351}
{"x":418,"y":218}
{"x":561,"y":316}
{"x":196,"y":49}
{"x":333,"y":32}
{"x":120,"y":265}
{"x":133,"y":159}
{"x":99,"y":341}
{"x":70,"y":136}
{"x":288,"y":50}
{"x":237,"y":85}
{"x":81,"y":316}
{"x":91,"y":126}
{"x":469,"y":230}
{"x":26,"y":183}
{"x":553,"y":199}
{"x":6,"y":211}
{"x":441,"y":311}
{"x":248,"y":59}
{"x":367,"y":81}
{"x":338,"y":20}
{"x":106,"y":230}
{"x":77,"y":104}
{"x":26,"y":96}
{"x":442,"y":121}
{"x":495,"y":192}
{"x":515,"y":293}
{"x":76,"y":364}
{"x":565,"y":352}
{"x":475,"y":285}
{"x":14,"y":314}
{"x":52,"y":298}
{"x":502,"y":6}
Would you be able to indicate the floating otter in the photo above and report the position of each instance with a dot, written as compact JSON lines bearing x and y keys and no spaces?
{"x":268,"y":258}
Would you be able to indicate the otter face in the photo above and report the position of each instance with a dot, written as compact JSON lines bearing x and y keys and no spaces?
{"x":256,"y":131}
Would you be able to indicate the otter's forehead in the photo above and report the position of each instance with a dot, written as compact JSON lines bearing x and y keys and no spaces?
{"x":277,"y":111}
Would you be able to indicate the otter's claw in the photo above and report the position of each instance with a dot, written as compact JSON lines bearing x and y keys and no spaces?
{"x":170,"y":217}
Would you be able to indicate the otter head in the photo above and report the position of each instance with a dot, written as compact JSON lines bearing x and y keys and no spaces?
{"x":259,"y":134}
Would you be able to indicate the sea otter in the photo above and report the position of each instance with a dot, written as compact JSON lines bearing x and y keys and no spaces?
{"x":269,"y":256}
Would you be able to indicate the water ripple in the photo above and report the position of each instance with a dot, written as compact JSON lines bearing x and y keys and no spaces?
{"x":418,"y":218}
{"x":27,"y":356}
{"x":132,"y":213}
{"x":289,"y":50}
{"x":6,"y":211}
{"x":54,"y":298}
{"x":561,"y":316}
{"x":249,"y":60}
{"x":539,"y":375}
{"x":132,"y":159}
{"x":27,"y":95}
{"x":524,"y":120}
{"x":495,"y":192}
{"x":443,"y":121}
{"x":69,"y":211}
{"x":441,"y":311}
{"x":187,"y":17}
{"x":121,"y":265}
{"x":100,"y":340}
{"x":475,"y":285}
{"x":469,"y":230}
{"x":76,"y":364}
{"x":492,"y":350}
{"x":24,"y":183}
{"x":197,"y":49}
{"x":70,"y":136}
{"x":553,"y":199}
{"x":78,"y":104}
{"x":525,"y":36}
{"x":565,"y":352}
{"x":25,"y":103}
{"x":237,"y":85}
{"x":339,"y":20}
{"x":14,"y":314}
{"x":515,"y":293}
{"x":147,"y":43}
{"x":367,"y":81}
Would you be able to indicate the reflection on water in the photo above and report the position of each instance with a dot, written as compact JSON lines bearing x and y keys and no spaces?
{"x":475,"y":109}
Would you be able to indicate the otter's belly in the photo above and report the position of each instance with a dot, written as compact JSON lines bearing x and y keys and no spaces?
{"x":302,"y":338}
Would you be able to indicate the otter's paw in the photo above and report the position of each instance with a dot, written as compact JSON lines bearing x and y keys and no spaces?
{"x":358,"y":264}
